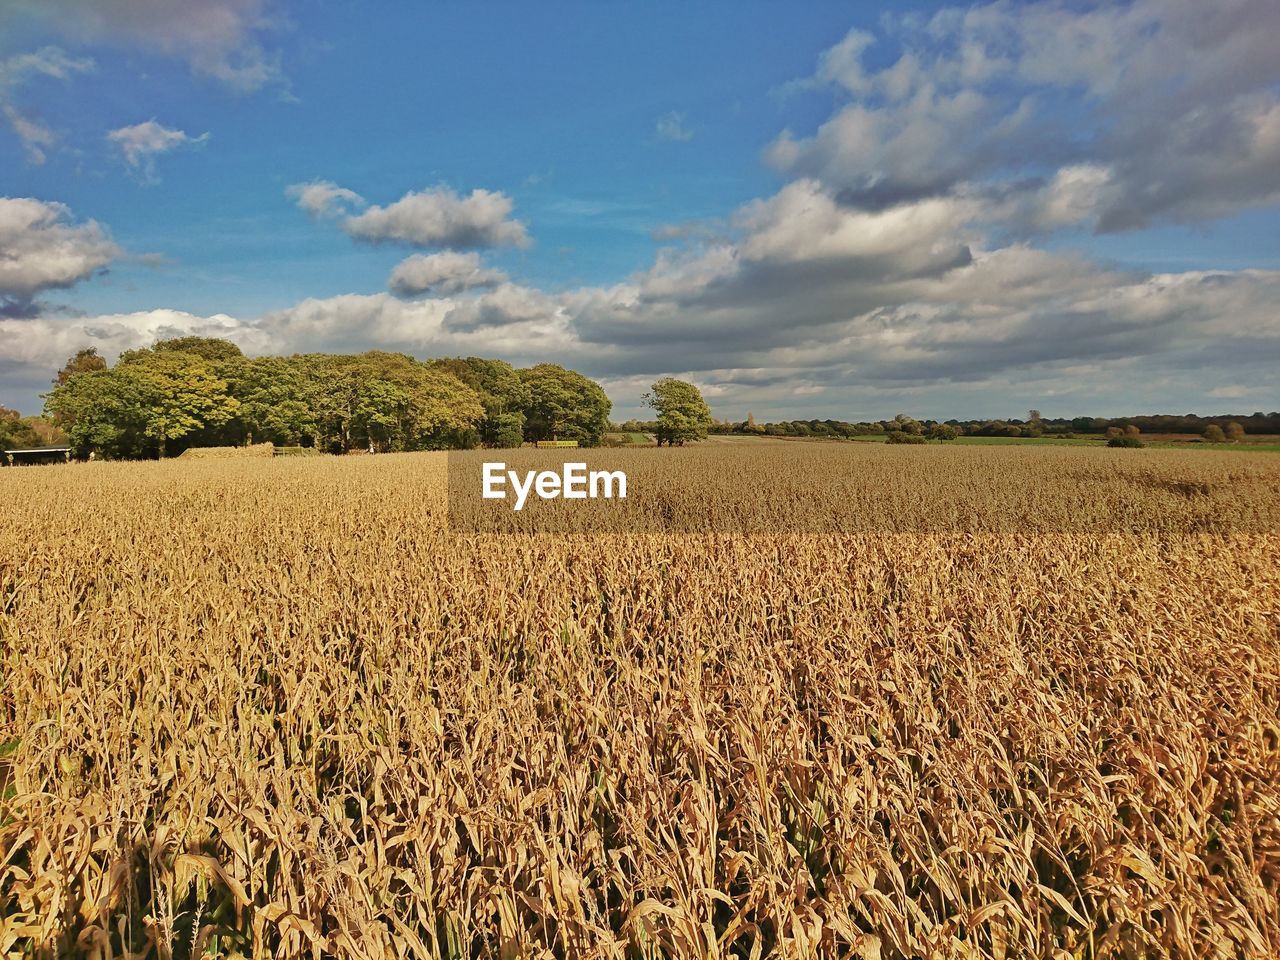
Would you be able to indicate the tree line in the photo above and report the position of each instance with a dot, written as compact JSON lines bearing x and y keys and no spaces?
{"x":202,"y":391}
{"x":199,"y":391}
{"x":1215,"y":429}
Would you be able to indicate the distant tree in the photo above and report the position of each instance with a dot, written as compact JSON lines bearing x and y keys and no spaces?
{"x":209,"y":348}
{"x":203,"y":391}
{"x":683,"y":415}
{"x":1033,"y":416}
{"x":1125,"y":440}
{"x":389,"y":401}
{"x":1213,"y":433}
{"x":901,"y":436}
{"x":1131,"y":431}
{"x":905,"y":424}
{"x":1233,"y":432}
{"x":564,"y":405}
{"x":83,"y":361}
{"x":943,"y":431}
{"x":1113,"y":432}
{"x":16,"y":431}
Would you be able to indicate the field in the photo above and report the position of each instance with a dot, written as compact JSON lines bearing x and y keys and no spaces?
{"x":277,"y":707}
{"x":636,"y":439}
{"x":1257,"y":444}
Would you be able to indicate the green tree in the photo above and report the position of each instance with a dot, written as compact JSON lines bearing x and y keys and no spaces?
{"x":502,"y":392}
{"x":83,"y":361}
{"x":682,"y":413}
{"x":564,"y":405}
{"x":943,"y":431}
{"x":209,"y":348}
{"x":390,"y":401}
{"x":905,"y":424}
{"x":1126,"y":440}
{"x":179,"y":394}
{"x":275,"y":400}
{"x":16,"y":431}
{"x":901,"y":436}
{"x":102,"y":411}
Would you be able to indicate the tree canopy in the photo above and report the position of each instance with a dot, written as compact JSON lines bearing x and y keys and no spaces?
{"x":200,"y":391}
{"x":82,"y":361}
{"x":564,"y":405}
{"x":683,"y":415}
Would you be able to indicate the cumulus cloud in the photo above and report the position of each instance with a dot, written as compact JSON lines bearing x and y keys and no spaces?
{"x":1155,"y":111}
{"x":42,"y":248}
{"x":671,"y":126}
{"x":511,"y":321}
{"x":444,"y":273}
{"x":221,"y":39}
{"x":19,"y":69}
{"x":427,"y":218}
{"x":141,"y":143}
{"x":440,"y":218}
{"x":324,"y":198}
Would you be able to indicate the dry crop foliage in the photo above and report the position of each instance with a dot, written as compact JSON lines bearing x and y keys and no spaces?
{"x":274,"y":708}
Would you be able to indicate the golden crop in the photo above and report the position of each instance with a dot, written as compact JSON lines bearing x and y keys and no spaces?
{"x":278,"y":708}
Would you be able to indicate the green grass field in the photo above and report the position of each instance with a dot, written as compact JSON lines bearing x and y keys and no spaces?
{"x":630,"y":439}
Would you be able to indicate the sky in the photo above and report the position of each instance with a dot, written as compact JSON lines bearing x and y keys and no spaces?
{"x":809,"y":210}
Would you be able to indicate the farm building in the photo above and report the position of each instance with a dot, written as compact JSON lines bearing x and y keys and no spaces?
{"x":15,"y":458}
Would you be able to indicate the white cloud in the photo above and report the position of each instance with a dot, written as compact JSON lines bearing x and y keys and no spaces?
{"x":17,"y":70}
{"x":36,"y":137}
{"x":440,"y":218}
{"x":1154,"y":111}
{"x":443,"y":273}
{"x":41,"y":248}
{"x":324,"y":198}
{"x":221,"y":39}
{"x":141,"y":143}
{"x":671,"y":126}
{"x":45,"y":342}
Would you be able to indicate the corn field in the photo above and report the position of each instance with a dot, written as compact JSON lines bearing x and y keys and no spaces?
{"x":278,"y":708}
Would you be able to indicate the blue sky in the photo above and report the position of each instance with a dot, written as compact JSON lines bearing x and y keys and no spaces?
{"x":824,"y":210}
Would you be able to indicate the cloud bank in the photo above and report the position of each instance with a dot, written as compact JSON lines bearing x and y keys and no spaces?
{"x":220,"y":39}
